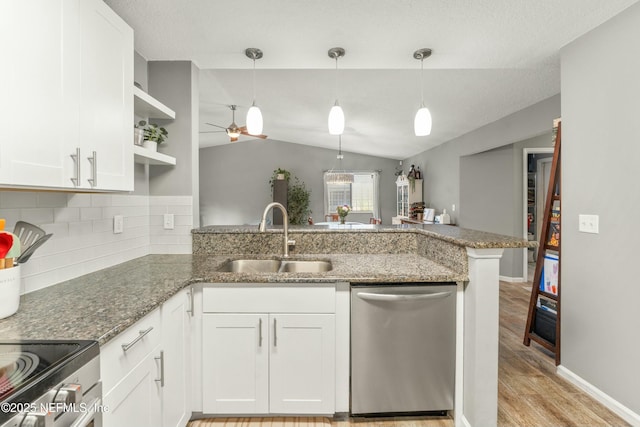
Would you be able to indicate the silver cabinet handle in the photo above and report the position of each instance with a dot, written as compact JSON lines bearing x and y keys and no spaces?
{"x":260,"y":333}
{"x":161,"y":359}
{"x":190,"y":309}
{"x":87,"y":417}
{"x":76,"y":161}
{"x":142,"y":333}
{"x":275,"y":332}
{"x":401,"y":297}
{"x":94,"y":169}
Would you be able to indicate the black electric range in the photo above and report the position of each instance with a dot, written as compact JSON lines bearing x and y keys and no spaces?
{"x":31,"y":369}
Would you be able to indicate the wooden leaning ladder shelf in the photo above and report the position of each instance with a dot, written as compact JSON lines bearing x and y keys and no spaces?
{"x":549,"y":244}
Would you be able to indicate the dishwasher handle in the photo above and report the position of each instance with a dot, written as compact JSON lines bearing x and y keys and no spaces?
{"x":368,"y":296}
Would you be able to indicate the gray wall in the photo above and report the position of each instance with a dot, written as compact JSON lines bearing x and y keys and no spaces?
{"x":234,"y":178}
{"x":441,"y":165}
{"x":176,"y":84}
{"x":600,"y":174}
{"x":491,"y":195}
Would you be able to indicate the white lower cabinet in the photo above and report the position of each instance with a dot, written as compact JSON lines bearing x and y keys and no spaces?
{"x":270,"y":362}
{"x":148,"y":383}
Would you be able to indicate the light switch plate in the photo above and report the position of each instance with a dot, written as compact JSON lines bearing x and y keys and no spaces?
{"x":168,"y":221}
{"x":588,"y":223}
{"x":118,"y":224}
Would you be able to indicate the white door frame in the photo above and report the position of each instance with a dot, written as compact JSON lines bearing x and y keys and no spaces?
{"x":525,"y":177}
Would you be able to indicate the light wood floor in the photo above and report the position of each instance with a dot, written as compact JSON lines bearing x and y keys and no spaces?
{"x":529,"y":392}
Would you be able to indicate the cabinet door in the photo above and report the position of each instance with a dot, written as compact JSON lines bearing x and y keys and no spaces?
{"x":135,"y":401}
{"x":235,"y":364}
{"x":176,"y":392}
{"x":106,"y":98}
{"x":302,"y":363}
{"x":38,"y":103}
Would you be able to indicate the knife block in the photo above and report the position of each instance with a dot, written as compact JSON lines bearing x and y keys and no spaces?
{"x":10,"y":291}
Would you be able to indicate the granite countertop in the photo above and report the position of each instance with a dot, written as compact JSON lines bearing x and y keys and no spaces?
{"x":100,"y":305}
{"x":448,"y":233}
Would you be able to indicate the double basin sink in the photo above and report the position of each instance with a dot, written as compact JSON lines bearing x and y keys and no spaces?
{"x":275,"y":266}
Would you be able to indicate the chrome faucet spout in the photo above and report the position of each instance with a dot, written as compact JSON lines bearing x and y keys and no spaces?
{"x":285,"y":216}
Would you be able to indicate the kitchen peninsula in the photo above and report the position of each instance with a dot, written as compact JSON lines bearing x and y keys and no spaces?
{"x":103,"y":304}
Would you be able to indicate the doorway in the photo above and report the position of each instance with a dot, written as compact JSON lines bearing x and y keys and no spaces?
{"x":536,"y":172}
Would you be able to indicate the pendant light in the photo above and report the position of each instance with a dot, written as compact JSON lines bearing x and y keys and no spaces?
{"x":336,"y":115}
{"x":422,"y":121}
{"x":339,"y":176}
{"x":254,"y":115}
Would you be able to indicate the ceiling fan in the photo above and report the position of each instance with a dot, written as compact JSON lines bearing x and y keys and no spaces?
{"x":233,"y":130}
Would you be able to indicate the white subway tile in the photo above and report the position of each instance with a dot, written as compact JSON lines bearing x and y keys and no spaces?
{"x":129,"y":200}
{"x":37,"y":216}
{"x":88,"y":214}
{"x":170,"y":200}
{"x":101,"y":200}
{"x":79,"y":200}
{"x":58,"y":229}
{"x":11,"y":216}
{"x":52,"y":200}
{"x":66,"y":215}
{"x":18,"y":199}
{"x":80,"y":228}
{"x":185,"y":220}
{"x":176,"y":210}
{"x":102,"y":225}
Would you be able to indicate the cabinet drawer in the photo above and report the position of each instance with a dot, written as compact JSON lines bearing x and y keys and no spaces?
{"x":115,"y":362}
{"x":258,"y":298}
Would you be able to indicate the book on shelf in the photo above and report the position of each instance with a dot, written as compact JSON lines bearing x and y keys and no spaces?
{"x":549,"y":276}
{"x":548,"y":305}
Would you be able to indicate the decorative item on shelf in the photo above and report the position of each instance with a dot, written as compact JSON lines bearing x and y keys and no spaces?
{"x":422,"y":121}
{"x":138,"y":133}
{"x":416,"y":211}
{"x":411,"y":176}
{"x":254,"y":115}
{"x":153,"y":135}
{"x":336,"y":115}
{"x":279,"y":175}
{"x":343,"y":211}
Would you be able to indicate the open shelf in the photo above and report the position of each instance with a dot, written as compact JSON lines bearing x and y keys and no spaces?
{"x":148,"y":157}
{"x":146,"y":105}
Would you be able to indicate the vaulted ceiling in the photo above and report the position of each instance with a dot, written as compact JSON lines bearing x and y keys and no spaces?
{"x":490,"y":59}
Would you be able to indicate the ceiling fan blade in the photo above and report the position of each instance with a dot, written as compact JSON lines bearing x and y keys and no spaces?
{"x":211,"y":124}
{"x":245,"y":133}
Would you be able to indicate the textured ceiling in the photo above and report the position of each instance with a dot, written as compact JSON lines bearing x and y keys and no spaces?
{"x":491,"y":58}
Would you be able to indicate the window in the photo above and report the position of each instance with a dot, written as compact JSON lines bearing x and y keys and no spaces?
{"x":361,"y":195}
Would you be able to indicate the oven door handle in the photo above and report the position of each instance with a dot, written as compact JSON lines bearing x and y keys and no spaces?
{"x":367,"y":296}
{"x":88,"y":416}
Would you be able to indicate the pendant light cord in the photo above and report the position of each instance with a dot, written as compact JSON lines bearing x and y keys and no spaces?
{"x":336,"y":85}
{"x":421,"y":82}
{"x":254,"y":80}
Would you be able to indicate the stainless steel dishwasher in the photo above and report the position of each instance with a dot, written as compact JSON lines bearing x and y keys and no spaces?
{"x":402,"y":348}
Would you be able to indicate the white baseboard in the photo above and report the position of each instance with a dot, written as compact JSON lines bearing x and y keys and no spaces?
{"x":511,"y":279}
{"x":618,"y":408}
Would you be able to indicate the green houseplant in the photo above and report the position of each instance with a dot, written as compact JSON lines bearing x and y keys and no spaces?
{"x":298,"y":200}
{"x":153,"y":133}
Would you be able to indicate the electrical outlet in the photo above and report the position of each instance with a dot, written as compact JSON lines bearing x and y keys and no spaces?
{"x":453,"y":207}
{"x":588,"y":223}
{"x":168,"y":221}
{"x":118,"y":224}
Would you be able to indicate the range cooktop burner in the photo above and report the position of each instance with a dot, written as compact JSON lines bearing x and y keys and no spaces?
{"x":28,"y":369}
{"x":15,"y":367}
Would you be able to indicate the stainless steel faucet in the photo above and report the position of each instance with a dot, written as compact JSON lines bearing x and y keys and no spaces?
{"x":285,"y":216}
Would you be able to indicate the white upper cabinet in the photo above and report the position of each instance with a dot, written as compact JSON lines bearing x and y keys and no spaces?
{"x":66,"y":90}
{"x":106,"y":97}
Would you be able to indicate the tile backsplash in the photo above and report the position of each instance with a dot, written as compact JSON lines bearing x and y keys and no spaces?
{"x":82,"y":225}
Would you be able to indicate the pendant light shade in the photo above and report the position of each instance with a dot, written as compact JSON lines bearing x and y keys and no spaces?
{"x":422,"y":122}
{"x":254,"y":115}
{"x":254,"y":120}
{"x":336,"y":120}
{"x":336,"y":115}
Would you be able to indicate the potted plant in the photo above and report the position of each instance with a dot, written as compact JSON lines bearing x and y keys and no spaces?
{"x":279,"y":174}
{"x":298,"y":200}
{"x":153,"y":135}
